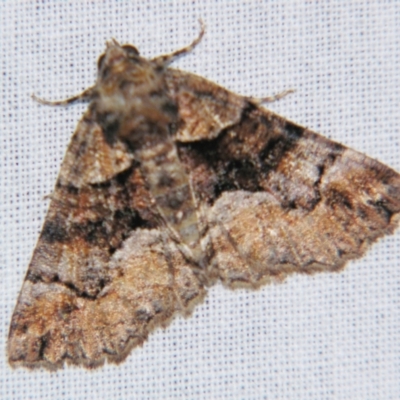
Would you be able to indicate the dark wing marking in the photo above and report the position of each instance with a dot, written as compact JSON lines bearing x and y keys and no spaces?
{"x":101,"y":277}
{"x":280,"y":198}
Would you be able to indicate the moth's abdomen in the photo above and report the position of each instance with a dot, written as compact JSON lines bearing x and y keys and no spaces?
{"x":169,"y":185}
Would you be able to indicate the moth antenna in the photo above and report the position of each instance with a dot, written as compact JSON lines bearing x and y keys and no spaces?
{"x":83,"y":96}
{"x":271,"y":99}
{"x":112,"y":42}
{"x":166,"y":59}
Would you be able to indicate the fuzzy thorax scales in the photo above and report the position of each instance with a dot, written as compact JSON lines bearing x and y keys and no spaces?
{"x":131,"y":98}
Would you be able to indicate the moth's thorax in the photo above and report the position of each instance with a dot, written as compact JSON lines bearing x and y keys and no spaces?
{"x":132,"y":96}
{"x":134,"y":105}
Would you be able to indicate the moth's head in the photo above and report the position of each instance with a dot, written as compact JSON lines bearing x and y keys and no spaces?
{"x":130,"y":93}
{"x":123,"y":65}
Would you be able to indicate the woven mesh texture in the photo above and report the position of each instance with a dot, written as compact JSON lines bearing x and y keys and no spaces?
{"x":329,"y":336}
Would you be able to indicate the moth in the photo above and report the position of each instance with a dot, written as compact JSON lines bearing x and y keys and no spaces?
{"x":171,"y":183}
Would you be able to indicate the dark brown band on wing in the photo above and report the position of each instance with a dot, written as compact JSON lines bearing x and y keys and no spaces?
{"x":251,"y":156}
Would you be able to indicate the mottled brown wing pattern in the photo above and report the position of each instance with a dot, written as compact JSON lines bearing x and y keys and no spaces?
{"x":280,"y":198}
{"x":205,"y":109}
{"x":170,"y":183}
{"x":104,"y":273}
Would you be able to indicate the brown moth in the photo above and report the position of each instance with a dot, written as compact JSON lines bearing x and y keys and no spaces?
{"x":171,"y":183}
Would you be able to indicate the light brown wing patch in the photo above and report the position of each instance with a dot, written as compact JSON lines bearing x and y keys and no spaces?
{"x":149,"y":282}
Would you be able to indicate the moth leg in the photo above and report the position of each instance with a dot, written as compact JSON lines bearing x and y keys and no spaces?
{"x":204,"y":240}
{"x":270,"y":99}
{"x":167,"y":59}
{"x":83,"y":96}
